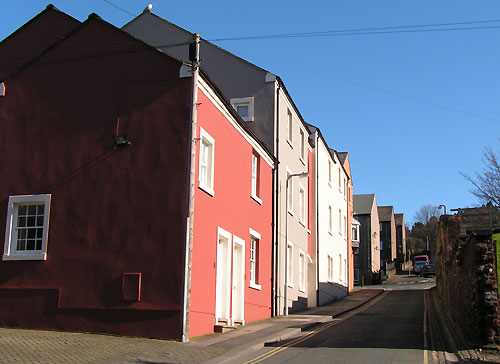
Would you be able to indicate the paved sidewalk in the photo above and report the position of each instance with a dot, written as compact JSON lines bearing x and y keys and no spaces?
{"x":51,"y":347}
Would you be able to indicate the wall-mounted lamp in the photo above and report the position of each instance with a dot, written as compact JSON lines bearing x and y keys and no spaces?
{"x":2,"y":89}
{"x":442,"y":207}
{"x":120,"y":141}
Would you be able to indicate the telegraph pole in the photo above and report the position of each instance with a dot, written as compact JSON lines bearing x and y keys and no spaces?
{"x":194,"y":57}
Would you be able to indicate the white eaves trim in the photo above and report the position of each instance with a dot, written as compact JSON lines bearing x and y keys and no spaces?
{"x":207,"y":90}
{"x":254,"y":233}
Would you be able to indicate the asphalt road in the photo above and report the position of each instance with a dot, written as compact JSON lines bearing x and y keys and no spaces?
{"x":389,"y":331}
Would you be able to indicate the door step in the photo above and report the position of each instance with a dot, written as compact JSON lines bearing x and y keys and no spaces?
{"x":223,"y":328}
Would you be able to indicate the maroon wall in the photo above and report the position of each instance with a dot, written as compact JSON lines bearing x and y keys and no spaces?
{"x":33,"y":37}
{"x":113,"y":211}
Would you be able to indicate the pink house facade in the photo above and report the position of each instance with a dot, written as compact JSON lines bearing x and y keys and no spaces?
{"x":231,"y":265}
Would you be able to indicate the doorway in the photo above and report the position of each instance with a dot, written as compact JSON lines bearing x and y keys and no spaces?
{"x":238,"y":294}
{"x":223,"y":278}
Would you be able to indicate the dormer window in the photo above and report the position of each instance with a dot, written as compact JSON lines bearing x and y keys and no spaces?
{"x":244,"y":107}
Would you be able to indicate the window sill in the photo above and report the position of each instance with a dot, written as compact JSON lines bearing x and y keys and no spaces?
{"x":289,"y":143}
{"x":302,"y":223}
{"x":303,"y":290}
{"x":330,"y":233}
{"x":35,"y":256}
{"x":207,"y":189}
{"x":302,"y":161}
{"x":330,"y":184}
{"x":290,"y":212}
{"x":290,"y":285}
{"x":309,"y":231}
{"x":258,"y":200}
{"x":255,"y":286}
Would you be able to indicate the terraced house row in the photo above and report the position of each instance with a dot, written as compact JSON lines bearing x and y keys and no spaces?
{"x":142,"y":195}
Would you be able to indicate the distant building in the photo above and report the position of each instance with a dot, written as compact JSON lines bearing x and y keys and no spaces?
{"x":387,"y":240}
{"x":367,"y":256}
{"x":400,"y":240}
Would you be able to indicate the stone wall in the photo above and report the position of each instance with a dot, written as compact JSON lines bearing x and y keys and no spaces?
{"x":466,"y":280}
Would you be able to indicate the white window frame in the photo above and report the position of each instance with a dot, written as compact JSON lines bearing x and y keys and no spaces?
{"x":290,"y":192}
{"x":244,"y":101}
{"x":207,"y":187}
{"x":340,"y":222}
{"x":355,"y":233}
{"x":330,"y":219}
{"x":340,"y":180}
{"x":254,"y":236}
{"x":340,"y":267}
{"x":256,"y":178}
{"x":345,"y":189}
{"x":345,"y":270}
{"x":302,"y":205}
{"x":10,"y":252}
{"x":330,"y":268}
{"x":330,"y":173}
{"x":345,"y":227}
{"x":302,"y":271}
{"x":302,"y":150}
{"x":289,"y":128}
{"x":289,"y":261}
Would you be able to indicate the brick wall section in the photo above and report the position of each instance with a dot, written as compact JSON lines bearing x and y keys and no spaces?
{"x":466,"y":280}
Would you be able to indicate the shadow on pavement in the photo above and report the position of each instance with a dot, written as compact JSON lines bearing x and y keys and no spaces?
{"x":396,"y":322}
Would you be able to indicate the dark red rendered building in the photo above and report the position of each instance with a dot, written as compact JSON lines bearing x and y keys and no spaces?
{"x":95,"y":230}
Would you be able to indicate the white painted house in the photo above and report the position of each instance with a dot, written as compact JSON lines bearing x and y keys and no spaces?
{"x":330,"y":222}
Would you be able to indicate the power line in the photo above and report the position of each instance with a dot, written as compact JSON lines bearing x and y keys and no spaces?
{"x":366,"y":31}
{"x":380,"y":90}
{"x":356,"y":31}
{"x":119,"y":8}
{"x":337,"y":33}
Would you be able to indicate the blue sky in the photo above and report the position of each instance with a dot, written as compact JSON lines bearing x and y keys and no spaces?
{"x":403,"y":105}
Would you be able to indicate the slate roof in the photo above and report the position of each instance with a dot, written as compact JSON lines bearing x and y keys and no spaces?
{"x":385,"y":213}
{"x":399,"y":219}
{"x":363,"y":203}
{"x":342,"y":156}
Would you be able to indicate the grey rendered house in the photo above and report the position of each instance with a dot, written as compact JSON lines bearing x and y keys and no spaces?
{"x":262,"y":100}
{"x":367,"y":257}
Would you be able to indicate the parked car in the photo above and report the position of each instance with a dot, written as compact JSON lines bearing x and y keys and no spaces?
{"x":428,"y":270}
{"x":424,"y":258}
{"x":417,"y":267}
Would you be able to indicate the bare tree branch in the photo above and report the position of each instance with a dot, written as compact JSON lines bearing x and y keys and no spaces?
{"x":425,"y":212}
{"x":487,"y":182}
